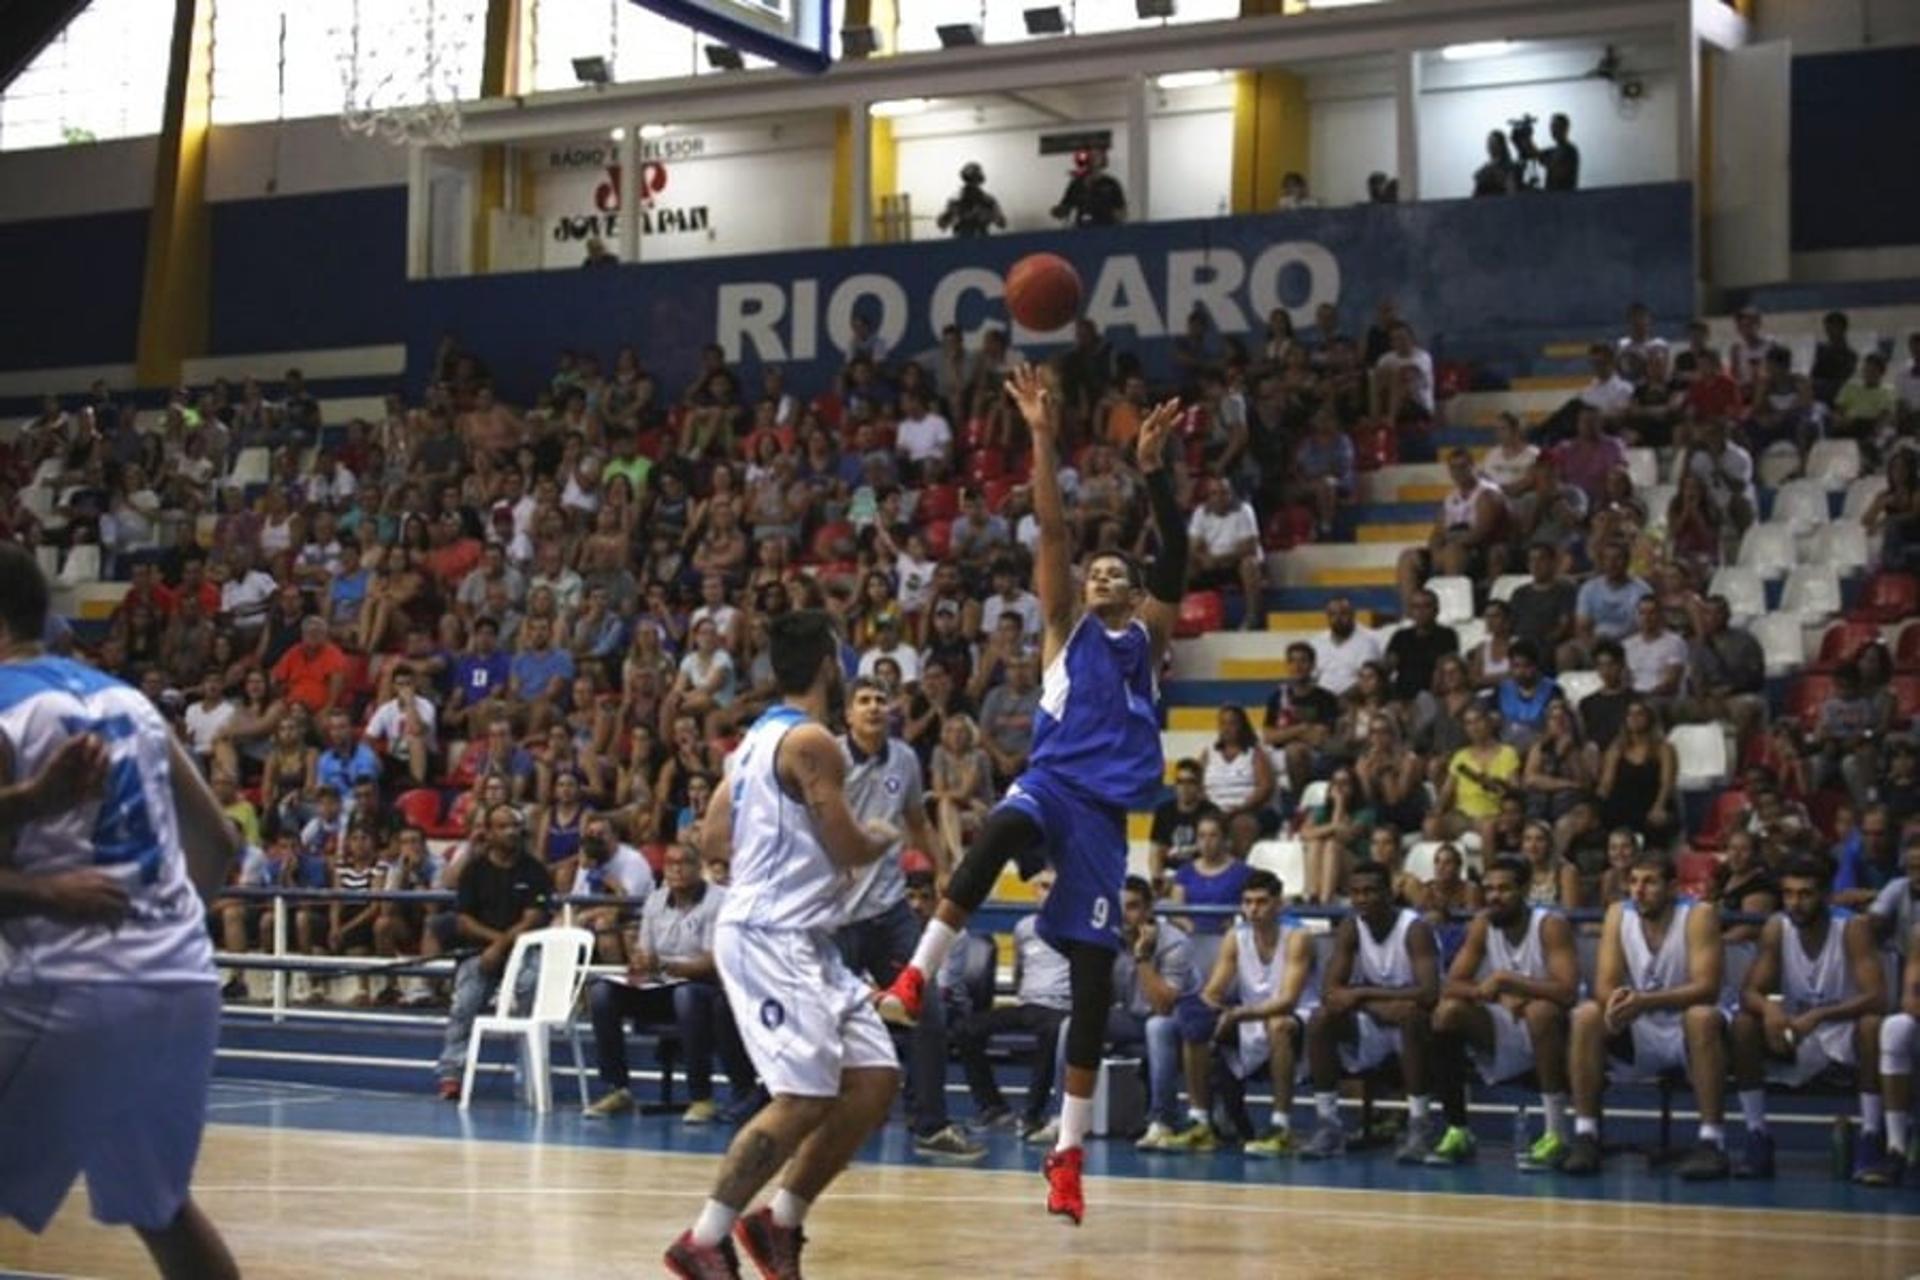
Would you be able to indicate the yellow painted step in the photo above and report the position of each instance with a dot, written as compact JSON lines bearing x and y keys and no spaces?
{"x":1201,"y":718}
{"x":1531,"y":417}
{"x":1550,"y":382}
{"x":1139,"y":826}
{"x":1363,"y":576}
{"x":1564,"y":350}
{"x":1422,"y":492}
{"x":1254,"y":668}
{"x":102,"y":610}
{"x":1393,"y":532}
{"x":1311,"y":619}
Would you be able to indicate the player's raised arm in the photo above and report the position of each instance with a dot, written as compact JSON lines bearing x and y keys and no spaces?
{"x":716,"y":825}
{"x":1167,"y":579}
{"x":205,"y":833}
{"x":812,"y":767}
{"x":1053,"y":565}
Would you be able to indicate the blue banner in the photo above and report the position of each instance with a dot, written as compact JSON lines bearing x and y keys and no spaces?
{"x":1470,"y":275}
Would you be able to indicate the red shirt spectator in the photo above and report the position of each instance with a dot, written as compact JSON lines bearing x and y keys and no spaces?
{"x":314,"y":672}
{"x":1713,"y":394}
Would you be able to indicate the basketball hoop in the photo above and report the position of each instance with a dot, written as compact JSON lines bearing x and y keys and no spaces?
{"x":402,"y":86}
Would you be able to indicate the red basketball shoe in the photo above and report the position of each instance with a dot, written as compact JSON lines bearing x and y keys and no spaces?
{"x":900,"y":1003}
{"x":773,"y":1249}
{"x":690,"y":1261}
{"x":1064,"y":1197}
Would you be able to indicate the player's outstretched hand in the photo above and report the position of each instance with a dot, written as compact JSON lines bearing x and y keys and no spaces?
{"x":75,"y":774}
{"x":1154,"y":433}
{"x":1028,"y":388}
{"x":82,"y":896}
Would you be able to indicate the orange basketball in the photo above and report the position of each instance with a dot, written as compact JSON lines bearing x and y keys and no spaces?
{"x":1043,"y":291}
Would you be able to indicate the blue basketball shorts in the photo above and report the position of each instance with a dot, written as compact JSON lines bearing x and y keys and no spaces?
{"x":1085,"y":843}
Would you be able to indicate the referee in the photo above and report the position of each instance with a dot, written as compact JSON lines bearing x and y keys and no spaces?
{"x":884,"y":783}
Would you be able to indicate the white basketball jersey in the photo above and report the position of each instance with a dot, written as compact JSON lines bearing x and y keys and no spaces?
{"x":1384,"y":963}
{"x":1808,"y":982}
{"x":1261,"y":980}
{"x":1648,"y":970}
{"x":782,"y":876}
{"x":130,"y":833}
{"x":1527,"y":959}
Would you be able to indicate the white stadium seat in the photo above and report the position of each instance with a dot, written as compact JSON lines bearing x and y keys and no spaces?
{"x":49,"y":558}
{"x":1286,"y":859}
{"x":1702,"y":749}
{"x":1800,"y":505}
{"x":1470,"y":633}
{"x":1777,"y":464}
{"x":1746,"y":594}
{"x":81,"y":565}
{"x":1506,"y":584}
{"x":1456,"y":598}
{"x":1835,"y":463}
{"x":1841,"y":544}
{"x":1657,"y":498}
{"x":1313,"y":797}
{"x":253,"y":466}
{"x":1860,"y":496}
{"x":1782,"y":638}
{"x":1812,"y":591}
{"x":1577,"y":684}
{"x":1643,"y":468}
{"x":1768,"y":550}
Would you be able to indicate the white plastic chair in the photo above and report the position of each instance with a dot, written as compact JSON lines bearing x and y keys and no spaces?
{"x":1643,"y":468}
{"x":81,"y":565}
{"x":1841,"y":544}
{"x":1577,"y":685}
{"x":1287,"y":859}
{"x":1860,"y":496}
{"x":252,"y":466}
{"x":1506,"y":584}
{"x":1812,"y":592}
{"x":1834,"y":463}
{"x":49,"y":558}
{"x":1470,"y":633}
{"x":1455,"y":595}
{"x":1657,"y":498}
{"x":1777,"y":464}
{"x":1769,"y":550}
{"x":1746,"y":594}
{"x":1800,"y":505}
{"x":1782,"y":638}
{"x":1314,"y":796}
{"x":1702,"y":752}
{"x":564,"y":955}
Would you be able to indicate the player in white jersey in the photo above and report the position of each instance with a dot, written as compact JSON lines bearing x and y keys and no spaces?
{"x":808,"y":1023}
{"x":1655,"y":1008}
{"x":1899,"y":1053}
{"x":1505,"y":1005}
{"x":1826,"y":969}
{"x":1254,"y":1007}
{"x":109,"y":1002}
{"x":1376,"y":1002}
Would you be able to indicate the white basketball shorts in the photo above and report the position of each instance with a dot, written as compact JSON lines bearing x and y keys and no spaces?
{"x":1512,"y":1047}
{"x":803,"y":1016}
{"x":109,"y":1080}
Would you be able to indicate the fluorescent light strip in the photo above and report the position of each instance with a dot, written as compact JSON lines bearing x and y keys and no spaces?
{"x":1188,"y":79}
{"x":1478,"y":49}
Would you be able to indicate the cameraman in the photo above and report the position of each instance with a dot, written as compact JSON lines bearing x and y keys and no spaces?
{"x":1560,"y":162}
{"x":973,"y":211}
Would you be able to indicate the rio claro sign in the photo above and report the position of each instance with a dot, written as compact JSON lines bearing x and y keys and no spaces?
{"x":580,"y":192}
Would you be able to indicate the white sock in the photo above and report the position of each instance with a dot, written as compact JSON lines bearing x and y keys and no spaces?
{"x":1076,"y":1120}
{"x":1327,"y":1107}
{"x":713,"y":1224}
{"x":1897,"y":1122}
{"x":1196,"y":1116}
{"x":1554,"y":1107}
{"x":789,"y":1210}
{"x":1871,"y":1111}
{"x":1586,"y":1126}
{"x":1417,"y":1108}
{"x":1714,"y":1133}
{"x":1753,"y":1109}
{"x":935,"y":942}
{"x":1283,"y":1122}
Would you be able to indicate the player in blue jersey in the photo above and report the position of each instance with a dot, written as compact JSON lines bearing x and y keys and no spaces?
{"x":1096,"y":753}
{"x":109,"y":1002}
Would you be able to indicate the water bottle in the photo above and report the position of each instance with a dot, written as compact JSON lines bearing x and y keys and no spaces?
{"x":1522,"y":1139}
{"x":1842,"y":1148}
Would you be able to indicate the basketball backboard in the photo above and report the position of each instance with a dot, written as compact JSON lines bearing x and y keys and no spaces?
{"x":794,"y":33}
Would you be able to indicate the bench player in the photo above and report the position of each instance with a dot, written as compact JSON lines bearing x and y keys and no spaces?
{"x":109,"y":1002}
{"x":1096,"y":753}
{"x":808,"y":1023}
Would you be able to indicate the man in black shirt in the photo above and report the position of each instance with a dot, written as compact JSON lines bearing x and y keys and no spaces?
{"x":1415,"y":651}
{"x":1603,"y":711}
{"x":1542,"y":610}
{"x":1300,"y":719}
{"x":503,"y":892}
{"x":1176,"y":822}
{"x":1561,"y":160}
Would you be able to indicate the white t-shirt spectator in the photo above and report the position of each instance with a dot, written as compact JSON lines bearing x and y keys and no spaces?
{"x":1631,"y":355}
{"x":626,"y":868}
{"x":1728,"y":474}
{"x":246,"y":599}
{"x":1648,"y":661}
{"x":725,"y":619}
{"x":1508,"y":470}
{"x":904,"y":654}
{"x":1337,"y":666}
{"x":1895,"y":903}
{"x":1747,"y":361}
{"x":204,"y":724}
{"x":1027,"y":532}
{"x":388,"y":724}
{"x":698,"y":670}
{"x":1024,"y":603}
{"x":1421,"y":363}
{"x":1218,"y":535}
{"x":1906,"y":384}
{"x":924,"y":437}
{"x":1609,"y":397}
{"x":916,"y":582}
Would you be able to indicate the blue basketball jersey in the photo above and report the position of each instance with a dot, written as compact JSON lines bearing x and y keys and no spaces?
{"x":1097,"y":729}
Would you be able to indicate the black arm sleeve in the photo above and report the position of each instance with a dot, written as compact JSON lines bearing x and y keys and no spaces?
{"x":1167,"y":580}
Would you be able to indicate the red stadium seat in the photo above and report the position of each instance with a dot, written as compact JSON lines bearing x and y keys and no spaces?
{"x":454,"y":825}
{"x":1375,"y":445}
{"x":656,"y":856}
{"x":1888,"y":597}
{"x":1824,"y":808}
{"x":1694,"y":871}
{"x":1287,"y":528}
{"x":420,"y":807}
{"x":1805,"y":696}
{"x":832,"y":541}
{"x":1450,"y":379}
{"x":1201,"y":612}
{"x":1196,"y":451}
{"x":1906,"y":653}
{"x":974,"y":435}
{"x":827,"y":405}
{"x":1843,"y":643}
{"x":995,"y":491}
{"x":939,"y":538}
{"x":1906,"y":696}
{"x":653,"y":445}
{"x":1720,"y":818}
{"x":938,"y":502}
{"x":984,"y":465}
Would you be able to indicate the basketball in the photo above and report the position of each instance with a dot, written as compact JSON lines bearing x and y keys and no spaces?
{"x":1043,"y":291}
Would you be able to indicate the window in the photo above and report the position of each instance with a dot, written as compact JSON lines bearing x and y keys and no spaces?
{"x":104,"y":76}
{"x":1004,"y":21}
{"x":287,"y":59}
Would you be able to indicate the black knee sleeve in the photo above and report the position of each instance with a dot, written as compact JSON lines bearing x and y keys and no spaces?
{"x":1006,"y":835}
{"x":1091,"y":972}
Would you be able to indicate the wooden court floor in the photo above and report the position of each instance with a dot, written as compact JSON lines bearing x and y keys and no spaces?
{"x":303,"y":1205}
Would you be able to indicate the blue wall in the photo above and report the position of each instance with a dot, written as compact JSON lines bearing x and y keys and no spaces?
{"x":1854,"y":181}
{"x":72,"y":290}
{"x":293,"y":272}
{"x":1478,"y":277}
